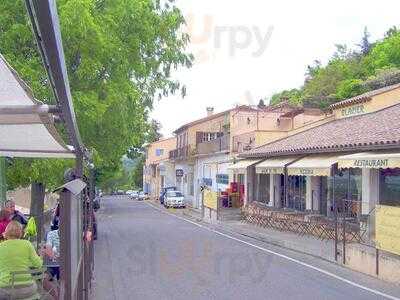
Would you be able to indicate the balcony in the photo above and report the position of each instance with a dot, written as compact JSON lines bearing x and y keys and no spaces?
{"x":180,"y":153}
{"x":217,"y":145}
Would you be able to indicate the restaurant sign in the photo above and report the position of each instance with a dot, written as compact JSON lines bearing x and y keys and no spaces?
{"x":370,"y":162}
{"x":387,"y":228}
{"x":353,"y":111}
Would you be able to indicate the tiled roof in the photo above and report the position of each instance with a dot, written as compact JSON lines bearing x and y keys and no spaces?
{"x":364,"y":97}
{"x":213,"y":116}
{"x":380,"y":129}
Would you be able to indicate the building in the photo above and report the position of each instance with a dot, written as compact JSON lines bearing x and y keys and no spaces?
{"x":207,"y":147}
{"x":252,"y":128}
{"x":349,"y":165}
{"x":158,"y":171}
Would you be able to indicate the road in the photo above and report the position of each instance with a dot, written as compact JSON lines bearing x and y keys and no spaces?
{"x":146,"y":253}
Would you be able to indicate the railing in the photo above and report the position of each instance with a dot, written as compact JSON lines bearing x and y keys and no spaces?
{"x":180,"y":153}
{"x":217,"y":145}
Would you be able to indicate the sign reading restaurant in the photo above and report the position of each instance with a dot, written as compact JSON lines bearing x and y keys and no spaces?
{"x":371,"y":163}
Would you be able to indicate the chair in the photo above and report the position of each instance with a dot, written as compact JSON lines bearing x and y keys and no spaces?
{"x":38,"y":275}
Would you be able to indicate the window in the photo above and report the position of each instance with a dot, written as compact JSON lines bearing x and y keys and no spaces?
{"x":348,"y":188}
{"x":389,"y":187}
{"x":240,"y":178}
{"x":263,"y":188}
{"x":297,"y":192}
{"x":159,"y":152}
{"x":174,"y":194}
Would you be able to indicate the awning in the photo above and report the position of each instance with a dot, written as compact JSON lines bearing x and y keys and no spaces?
{"x":370,"y":160}
{"x":274,"y":165}
{"x":315,"y":165}
{"x":28,"y":134}
{"x":242,"y":165}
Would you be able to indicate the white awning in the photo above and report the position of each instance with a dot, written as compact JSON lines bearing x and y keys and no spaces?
{"x":315,"y":165}
{"x":242,"y":165}
{"x":370,"y":160}
{"x":28,"y":134}
{"x":274,"y":165}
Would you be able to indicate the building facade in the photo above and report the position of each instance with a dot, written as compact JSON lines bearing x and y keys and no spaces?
{"x":158,"y":170}
{"x":349,"y":165}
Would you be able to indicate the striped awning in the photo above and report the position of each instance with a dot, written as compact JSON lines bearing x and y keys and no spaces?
{"x":274,"y":165}
{"x":370,"y":160}
{"x":242,"y":165}
{"x":314,"y":165}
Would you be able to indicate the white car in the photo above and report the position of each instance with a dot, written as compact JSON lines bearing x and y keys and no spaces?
{"x":141,"y":196}
{"x":134,"y":195}
{"x":174,"y":199}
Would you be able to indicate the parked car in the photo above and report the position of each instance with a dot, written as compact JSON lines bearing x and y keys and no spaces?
{"x":174,"y":199}
{"x":120,"y":192}
{"x":164,"y":191}
{"x":134,"y":195}
{"x":142,"y":196}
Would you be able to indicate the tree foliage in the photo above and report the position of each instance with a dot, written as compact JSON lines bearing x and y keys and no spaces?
{"x":120,"y":56}
{"x":349,"y":72}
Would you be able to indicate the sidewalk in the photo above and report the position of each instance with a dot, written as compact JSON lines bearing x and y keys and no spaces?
{"x":303,"y":244}
{"x":360,"y":258}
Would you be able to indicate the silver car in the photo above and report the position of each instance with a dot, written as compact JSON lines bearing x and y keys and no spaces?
{"x":174,"y":199}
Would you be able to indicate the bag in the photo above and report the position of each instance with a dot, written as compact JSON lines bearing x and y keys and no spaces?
{"x":30,"y":229}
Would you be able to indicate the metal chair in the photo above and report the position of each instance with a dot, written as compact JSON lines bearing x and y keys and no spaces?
{"x":38,"y":276}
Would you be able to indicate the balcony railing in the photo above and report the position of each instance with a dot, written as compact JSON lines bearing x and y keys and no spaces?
{"x":218,"y":145}
{"x":180,"y":153}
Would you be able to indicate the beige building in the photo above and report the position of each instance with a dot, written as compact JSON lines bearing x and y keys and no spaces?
{"x":205,"y":148}
{"x":158,"y":169}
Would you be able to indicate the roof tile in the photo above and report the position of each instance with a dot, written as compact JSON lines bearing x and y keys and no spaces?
{"x":378,"y":128}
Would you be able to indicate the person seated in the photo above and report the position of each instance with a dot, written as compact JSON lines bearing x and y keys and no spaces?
{"x":17,"y":254}
{"x":4,"y":220}
{"x":53,"y":243}
{"x":15,"y":215}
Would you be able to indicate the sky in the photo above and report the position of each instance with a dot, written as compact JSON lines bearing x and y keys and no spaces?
{"x":248,"y":50}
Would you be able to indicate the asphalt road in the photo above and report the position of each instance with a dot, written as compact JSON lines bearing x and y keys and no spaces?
{"x":146,"y":253}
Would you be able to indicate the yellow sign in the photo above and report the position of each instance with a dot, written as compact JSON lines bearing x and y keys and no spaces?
{"x":388,"y":228}
{"x":210,"y":199}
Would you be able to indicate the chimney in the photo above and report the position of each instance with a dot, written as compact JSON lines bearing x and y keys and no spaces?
{"x":210,"y":111}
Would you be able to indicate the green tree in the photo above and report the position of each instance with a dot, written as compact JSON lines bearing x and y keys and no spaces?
{"x":120,"y":56}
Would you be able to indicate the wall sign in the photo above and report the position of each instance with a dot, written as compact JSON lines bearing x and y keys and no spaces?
{"x":179,"y":173}
{"x":353,"y":111}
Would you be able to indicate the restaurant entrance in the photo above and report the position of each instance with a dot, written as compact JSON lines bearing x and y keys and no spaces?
{"x":296,"y":197}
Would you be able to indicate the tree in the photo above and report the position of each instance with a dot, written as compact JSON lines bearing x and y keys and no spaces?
{"x":261,"y":104}
{"x":120,"y":55}
{"x":365,"y":45}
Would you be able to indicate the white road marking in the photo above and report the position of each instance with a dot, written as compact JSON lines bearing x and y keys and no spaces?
{"x":376,"y":292}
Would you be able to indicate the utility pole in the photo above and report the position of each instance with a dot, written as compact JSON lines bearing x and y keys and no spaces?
{"x":3,"y":184}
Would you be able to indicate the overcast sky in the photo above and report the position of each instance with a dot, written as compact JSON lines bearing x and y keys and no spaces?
{"x":247,"y":50}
